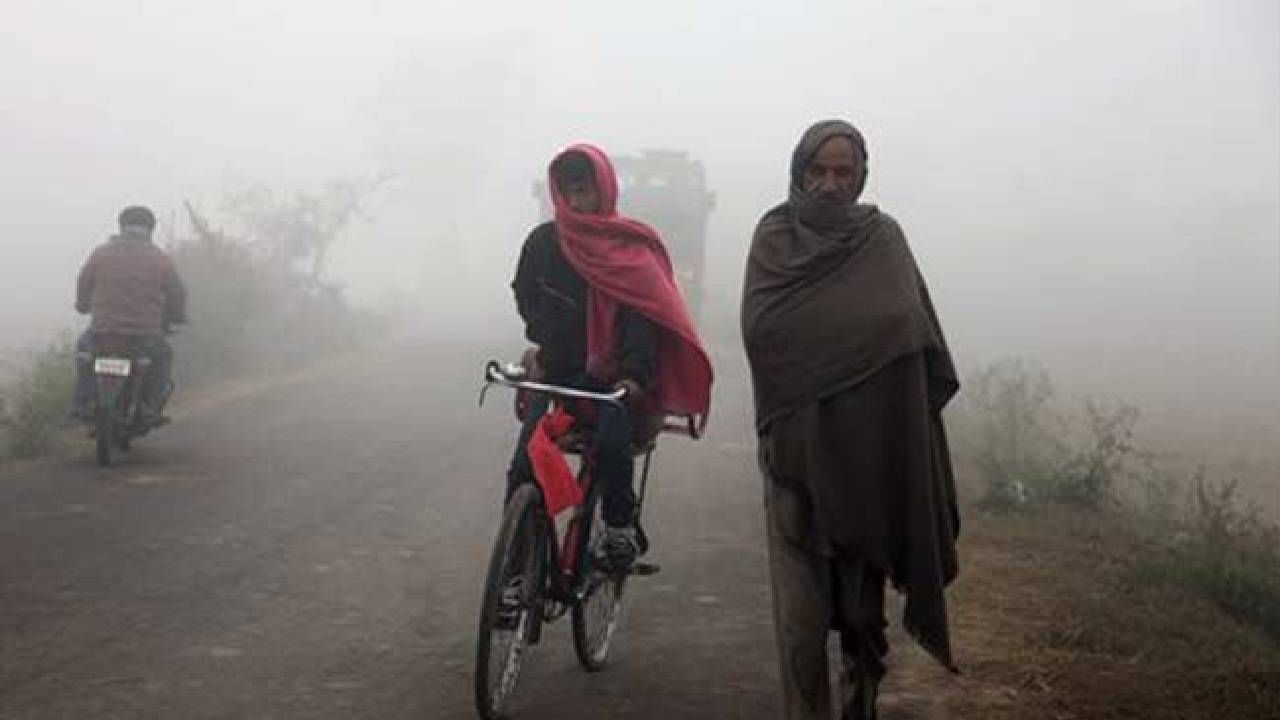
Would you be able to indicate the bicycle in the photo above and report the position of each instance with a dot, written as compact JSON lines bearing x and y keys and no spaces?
{"x":539,"y":572}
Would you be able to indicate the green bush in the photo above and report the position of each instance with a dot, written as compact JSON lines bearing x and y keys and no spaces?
{"x":1098,"y":461}
{"x":1012,"y":432}
{"x":258,"y":303}
{"x":1224,"y":551}
{"x":1197,"y":534}
{"x":224,"y":291}
{"x":1029,"y":453}
{"x":34,"y":406}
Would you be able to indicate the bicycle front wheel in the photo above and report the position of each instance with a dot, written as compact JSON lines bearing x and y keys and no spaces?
{"x":512,"y":597}
{"x":597,"y":615}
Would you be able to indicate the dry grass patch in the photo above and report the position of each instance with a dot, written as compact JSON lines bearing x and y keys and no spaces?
{"x":1052,"y":622}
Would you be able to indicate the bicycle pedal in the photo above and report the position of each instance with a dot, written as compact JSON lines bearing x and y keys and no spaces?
{"x":645,"y":569}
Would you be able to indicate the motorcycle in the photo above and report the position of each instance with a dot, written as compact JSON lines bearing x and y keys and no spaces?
{"x":120,"y":368}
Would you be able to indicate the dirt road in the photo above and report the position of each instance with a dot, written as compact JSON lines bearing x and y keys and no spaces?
{"x":314,"y":548}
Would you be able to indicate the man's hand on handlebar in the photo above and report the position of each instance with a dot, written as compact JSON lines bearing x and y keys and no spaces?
{"x":532,"y":366}
{"x":634,"y":392}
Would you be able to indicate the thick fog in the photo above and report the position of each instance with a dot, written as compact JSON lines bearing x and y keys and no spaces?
{"x":1094,"y":184}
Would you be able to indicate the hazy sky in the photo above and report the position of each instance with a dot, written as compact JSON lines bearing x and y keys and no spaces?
{"x":1093,"y":183}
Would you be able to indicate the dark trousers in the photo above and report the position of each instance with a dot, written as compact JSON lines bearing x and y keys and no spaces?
{"x":156,"y":386}
{"x":814,"y":595}
{"x":610,"y":451}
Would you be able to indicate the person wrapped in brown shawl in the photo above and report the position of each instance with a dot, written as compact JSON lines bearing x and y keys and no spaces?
{"x":850,"y":373}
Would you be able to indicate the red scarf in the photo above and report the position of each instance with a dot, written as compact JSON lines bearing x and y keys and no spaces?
{"x":560,"y":490}
{"x":624,"y":262}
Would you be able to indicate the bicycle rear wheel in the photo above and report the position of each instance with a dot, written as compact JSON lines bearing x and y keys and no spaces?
{"x":597,"y":615}
{"x":512,"y":596}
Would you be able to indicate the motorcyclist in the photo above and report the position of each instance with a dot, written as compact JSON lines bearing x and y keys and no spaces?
{"x":131,"y":288}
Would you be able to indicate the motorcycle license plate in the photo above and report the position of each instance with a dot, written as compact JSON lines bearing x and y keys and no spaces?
{"x":112,"y":366}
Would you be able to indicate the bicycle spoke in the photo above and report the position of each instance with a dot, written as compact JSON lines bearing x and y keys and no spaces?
{"x":596,"y":616}
{"x":511,"y":598}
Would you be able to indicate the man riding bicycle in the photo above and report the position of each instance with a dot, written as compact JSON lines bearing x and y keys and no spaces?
{"x":598,"y":297}
{"x":132,"y":289}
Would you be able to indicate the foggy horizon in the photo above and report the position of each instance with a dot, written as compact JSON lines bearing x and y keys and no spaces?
{"x":1093,"y":185}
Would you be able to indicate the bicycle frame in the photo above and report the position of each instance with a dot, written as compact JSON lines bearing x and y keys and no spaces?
{"x":570,"y":554}
{"x":569,"y":584}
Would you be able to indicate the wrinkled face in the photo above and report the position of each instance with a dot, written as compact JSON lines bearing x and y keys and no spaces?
{"x":582,"y":195}
{"x":836,"y":168}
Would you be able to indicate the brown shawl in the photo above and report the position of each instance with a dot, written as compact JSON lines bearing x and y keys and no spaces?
{"x":851,"y":371}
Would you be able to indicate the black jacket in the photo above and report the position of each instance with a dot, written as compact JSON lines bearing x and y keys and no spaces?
{"x":552,"y":299}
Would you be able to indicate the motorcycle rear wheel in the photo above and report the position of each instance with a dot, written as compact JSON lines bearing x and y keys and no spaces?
{"x":104,"y":434}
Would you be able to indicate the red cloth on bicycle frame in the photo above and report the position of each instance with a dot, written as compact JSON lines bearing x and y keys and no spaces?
{"x":560,"y":489}
{"x":624,"y":262}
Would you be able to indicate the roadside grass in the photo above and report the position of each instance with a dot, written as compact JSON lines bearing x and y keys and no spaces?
{"x":1100,"y":581}
{"x":1056,"y":617}
{"x":35,"y":402}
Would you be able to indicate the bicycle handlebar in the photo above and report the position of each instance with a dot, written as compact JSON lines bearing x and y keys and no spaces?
{"x":514,"y":376}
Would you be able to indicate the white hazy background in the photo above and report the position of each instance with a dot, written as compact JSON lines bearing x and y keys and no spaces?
{"x":1093,"y":184}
